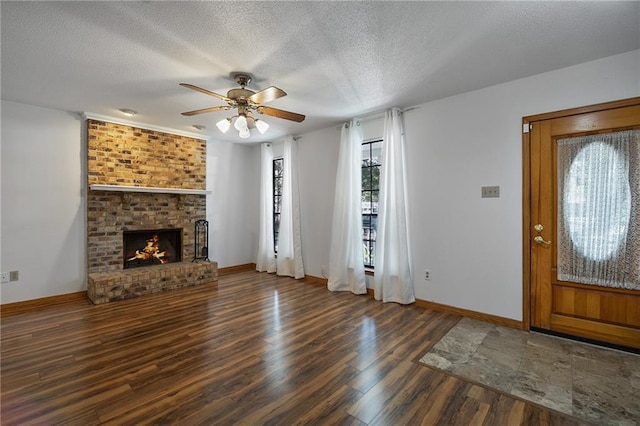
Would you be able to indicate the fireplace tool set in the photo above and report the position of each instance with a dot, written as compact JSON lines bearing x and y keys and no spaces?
{"x":201,"y":241}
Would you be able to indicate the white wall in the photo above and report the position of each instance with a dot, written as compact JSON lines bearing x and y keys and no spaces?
{"x":472,"y":246}
{"x":233,"y":176}
{"x":43,"y":231}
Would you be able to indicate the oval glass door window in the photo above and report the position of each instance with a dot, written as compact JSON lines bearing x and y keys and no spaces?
{"x":597,"y":201}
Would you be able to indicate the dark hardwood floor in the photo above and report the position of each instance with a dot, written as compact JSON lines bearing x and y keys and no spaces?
{"x":253,"y":349}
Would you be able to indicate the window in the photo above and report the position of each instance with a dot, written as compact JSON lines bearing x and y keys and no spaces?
{"x":371,"y":152}
{"x":278,"y":164}
{"x":597,"y":201}
{"x":598,"y":187}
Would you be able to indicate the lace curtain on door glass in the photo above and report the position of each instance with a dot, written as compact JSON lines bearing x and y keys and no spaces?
{"x":598,"y":209}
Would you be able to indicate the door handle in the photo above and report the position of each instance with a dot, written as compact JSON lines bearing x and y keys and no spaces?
{"x":538,"y":239}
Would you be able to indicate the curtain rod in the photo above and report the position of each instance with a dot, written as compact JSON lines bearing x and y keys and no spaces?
{"x":279,"y":141}
{"x":378,"y":115}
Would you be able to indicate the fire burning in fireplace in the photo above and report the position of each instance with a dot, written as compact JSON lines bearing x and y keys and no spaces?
{"x":151,"y":250}
{"x":152,"y":247}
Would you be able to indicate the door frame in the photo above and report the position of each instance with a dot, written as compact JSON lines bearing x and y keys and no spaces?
{"x":526,"y":187}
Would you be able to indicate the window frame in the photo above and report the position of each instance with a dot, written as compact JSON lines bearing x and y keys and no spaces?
{"x":370,"y":218}
{"x":278,"y":166}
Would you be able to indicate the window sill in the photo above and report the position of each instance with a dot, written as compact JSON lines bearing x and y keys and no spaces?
{"x":369,"y":271}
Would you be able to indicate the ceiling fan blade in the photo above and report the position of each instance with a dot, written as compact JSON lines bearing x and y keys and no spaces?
{"x":204,"y":110}
{"x":267,"y":95}
{"x":274,"y":112}
{"x":205,"y":91}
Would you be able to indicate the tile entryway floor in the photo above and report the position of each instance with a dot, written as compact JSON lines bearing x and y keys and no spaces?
{"x":594,"y":384}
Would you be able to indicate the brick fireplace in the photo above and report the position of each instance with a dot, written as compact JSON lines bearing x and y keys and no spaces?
{"x":143,"y":182}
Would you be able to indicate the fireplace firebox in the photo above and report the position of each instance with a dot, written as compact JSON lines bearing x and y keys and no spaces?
{"x":150,"y":247}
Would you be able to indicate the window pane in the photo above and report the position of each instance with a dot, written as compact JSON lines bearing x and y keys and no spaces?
{"x":369,"y":227}
{"x":366,"y":179}
{"x":376,"y":153}
{"x":375,"y":177}
{"x":277,"y":167}
{"x":366,"y":201}
{"x":366,"y":154}
{"x":368,"y":248}
{"x":374,"y":227}
{"x":277,"y":204}
{"x":366,"y":221}
{"x":372,"y":250}
{"x":276,"y":231}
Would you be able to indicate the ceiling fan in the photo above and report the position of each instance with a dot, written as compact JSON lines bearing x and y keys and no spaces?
{"x":246,"y":101}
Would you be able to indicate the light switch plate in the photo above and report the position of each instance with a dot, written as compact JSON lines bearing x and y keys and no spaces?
{"x":490,"y":192}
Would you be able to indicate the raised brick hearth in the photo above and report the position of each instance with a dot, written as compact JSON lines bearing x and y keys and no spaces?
{"x":112,"y":286}
{"x":120,"y":155}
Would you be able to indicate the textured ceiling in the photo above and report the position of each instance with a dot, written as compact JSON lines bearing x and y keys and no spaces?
{"x":335,"y":60}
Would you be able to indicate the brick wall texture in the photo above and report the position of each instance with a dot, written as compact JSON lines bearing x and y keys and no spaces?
{"x":129,"y":156}
{"x":114,"y":286}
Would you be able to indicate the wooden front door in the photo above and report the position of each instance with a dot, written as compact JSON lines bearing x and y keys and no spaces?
{"x":582,"y":178}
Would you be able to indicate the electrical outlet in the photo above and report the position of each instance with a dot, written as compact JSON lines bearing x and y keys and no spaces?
{"x":14,"y":276}
{"x":4,"y":277}
{"x":427,"y":275}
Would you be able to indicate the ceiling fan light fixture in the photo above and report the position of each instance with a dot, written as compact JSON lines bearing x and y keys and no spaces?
{"x":244,"y":133}
{"x":224,"y":125}
{"x":241,"y":123}
{"x":262,"y":126}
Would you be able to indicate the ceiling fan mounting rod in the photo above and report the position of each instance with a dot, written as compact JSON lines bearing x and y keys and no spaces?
{"x":242,"y":109}
{"x":242,"y":79}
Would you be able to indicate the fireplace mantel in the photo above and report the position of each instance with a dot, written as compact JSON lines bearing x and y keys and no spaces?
{"x":122,"y":188}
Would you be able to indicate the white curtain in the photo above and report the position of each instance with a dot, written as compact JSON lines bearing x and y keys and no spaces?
{"x":266,"y":261}
{"x":346,"y":264}
{"x":599,"y":209}
{"x":392,"y":281}
{"x":289,"y":260}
